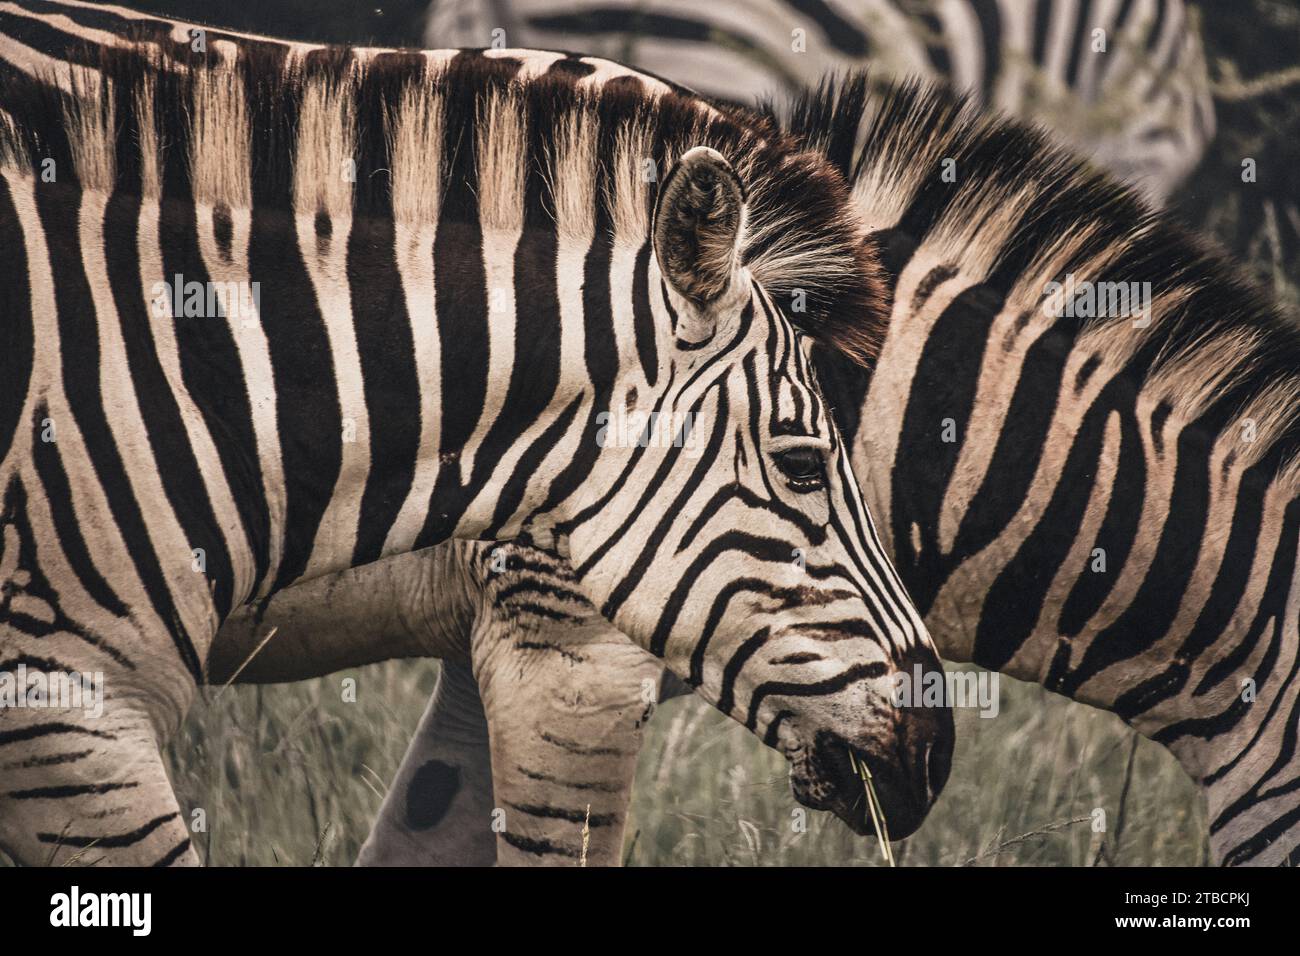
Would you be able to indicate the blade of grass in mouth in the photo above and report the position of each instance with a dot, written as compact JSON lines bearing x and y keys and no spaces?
{"x":873,"y":805}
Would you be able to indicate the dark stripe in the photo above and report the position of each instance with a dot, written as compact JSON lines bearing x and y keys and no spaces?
{"x":1158,"y":25}
{"x":114,"y":841}
{"x":599,"y":786}
{"x":53,"y":760}
{"x":1018,"y":449}
{"x":1079,"y":39}
{"x":772,"y":735}
{"x":535,"y":375}
{"x":47,"y":39}
{"x":1042,"y":21}
{"x":581,"y":749}
{"x":540,"y":610}
{"x":308,"y":417}
{"x":1117,"y":534}
{"x":538,"y":847}
{"x":36,"y":731}
{"x":384,"y":329}
{"x":1276,"y":590}
{"x":72,"y":790}
{"x":600,"y":353}
{"x":842,"y":34}
{"x":17,"y":334}
{"x":1269,"y":621}
{"x":550,"y":647}
{"x":755,"y":548}
{"x":67,"y":525}
{"x":1214,"y":620}
{"x":570,"y":67}
{"x":386,"y":346}
{"x":534,"y":587}
{"x":990,"y":18}
{"x":944,"y":387}
{"x":174,"y":854}
{"x":80,"y":354}
{"x":143,"y":27}
{"x":462,"y":298}
{"x":563,"y":813}
{"x":737,"y":662}
{"x":528,"y":466}
{"x":642,"y":319}
{"x":824,"y":688}
{"x":801,"y":657}
{"x":936,"y":46}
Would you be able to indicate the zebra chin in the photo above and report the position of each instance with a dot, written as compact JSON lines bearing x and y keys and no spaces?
{"x":908,"y":771}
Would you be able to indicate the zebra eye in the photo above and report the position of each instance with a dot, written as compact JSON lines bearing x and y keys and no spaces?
{"x":805,"y":468}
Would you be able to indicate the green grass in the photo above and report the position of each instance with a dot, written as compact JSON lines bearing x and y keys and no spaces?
{"x":292,"y":774}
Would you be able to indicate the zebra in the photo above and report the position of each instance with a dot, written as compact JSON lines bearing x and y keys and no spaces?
{"x":411,"y":219}
{"x":1123,"y":81}
{"x":1105,"y":504}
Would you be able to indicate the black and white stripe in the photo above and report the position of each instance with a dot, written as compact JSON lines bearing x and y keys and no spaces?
{"x":1141,"y":106}
{"x":460,"y":266}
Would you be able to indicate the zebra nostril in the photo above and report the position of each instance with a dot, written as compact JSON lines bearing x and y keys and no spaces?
{"x":938,"y":764}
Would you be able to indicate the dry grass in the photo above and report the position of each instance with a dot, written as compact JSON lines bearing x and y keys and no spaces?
{"x":293,"y":775}
{"x":1023,"y":790}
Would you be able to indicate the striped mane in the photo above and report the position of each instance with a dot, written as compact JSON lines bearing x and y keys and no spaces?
{"x":1022,"y":213}
{"x":418,"y":133}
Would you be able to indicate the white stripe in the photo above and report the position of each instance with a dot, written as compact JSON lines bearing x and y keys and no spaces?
{"x":336,"y":535}
{"x":415,"y":266}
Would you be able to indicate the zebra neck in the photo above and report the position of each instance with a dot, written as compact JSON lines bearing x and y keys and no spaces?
{"x":1062,"y":524}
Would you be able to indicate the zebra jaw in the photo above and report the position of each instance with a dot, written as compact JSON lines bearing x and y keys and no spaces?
{"x":826,"y":776}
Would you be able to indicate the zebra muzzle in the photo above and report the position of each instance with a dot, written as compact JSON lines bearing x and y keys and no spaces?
{"x":907,"y":778}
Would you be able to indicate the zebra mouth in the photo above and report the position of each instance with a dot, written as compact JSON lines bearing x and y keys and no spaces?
{"x":829,"y":780}
{"x":851,"y":803}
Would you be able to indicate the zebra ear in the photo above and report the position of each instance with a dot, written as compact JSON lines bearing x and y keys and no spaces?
{"x":699,"y":218}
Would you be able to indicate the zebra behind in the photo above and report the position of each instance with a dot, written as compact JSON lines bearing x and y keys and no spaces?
{"x":1125,"y":82}
{"x":275,"y":312}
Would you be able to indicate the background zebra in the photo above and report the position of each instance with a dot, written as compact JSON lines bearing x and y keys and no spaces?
{"x":1123,"y":82}
{"x":344,"y":303}
{"x":1106,"y":504}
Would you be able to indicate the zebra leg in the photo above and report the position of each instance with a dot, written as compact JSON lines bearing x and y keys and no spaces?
{"x":454,"y":734}
{"x":566,"y":706}
{"x":417,"y":604}
{"x":83,"y":790}
{"x":438,"y":810}
{"x":87,"y":692}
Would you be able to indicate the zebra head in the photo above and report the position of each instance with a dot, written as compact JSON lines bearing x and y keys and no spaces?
{"x":725,"y":531}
